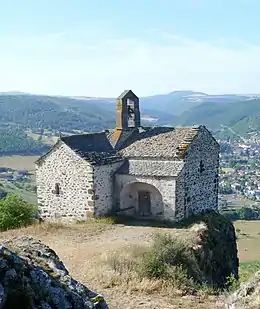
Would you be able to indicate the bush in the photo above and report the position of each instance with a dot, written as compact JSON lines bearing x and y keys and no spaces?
{"x":167,"y":260}
{"x":170,"y":259}
{"x":15,"y":212}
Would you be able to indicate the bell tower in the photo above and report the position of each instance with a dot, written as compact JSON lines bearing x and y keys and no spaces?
{"x":127,"y":118}
{"x":127,"y":111}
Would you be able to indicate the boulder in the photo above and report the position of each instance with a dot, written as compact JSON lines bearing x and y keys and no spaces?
{"x":32,"y":276}
{"x":213,"y":242}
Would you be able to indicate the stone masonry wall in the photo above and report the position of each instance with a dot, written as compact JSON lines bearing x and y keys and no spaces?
{"x":197,"y":183}
{"x":73,"y":176}
{"x":103,"y":187}
{"x":162,"y":190}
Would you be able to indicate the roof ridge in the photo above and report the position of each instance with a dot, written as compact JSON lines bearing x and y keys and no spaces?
{"x":84,"y":134}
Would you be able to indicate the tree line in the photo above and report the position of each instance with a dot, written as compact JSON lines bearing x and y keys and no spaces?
{"x":15,"y":141}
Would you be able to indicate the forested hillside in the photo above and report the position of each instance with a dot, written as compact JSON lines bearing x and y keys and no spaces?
{"x":15,"y":141}
{"x":242,"y":116}
{"x":39,"y":113}
{"x":55,"y":113}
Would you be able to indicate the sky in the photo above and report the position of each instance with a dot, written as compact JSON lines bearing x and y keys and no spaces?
{"x":102,"y":47}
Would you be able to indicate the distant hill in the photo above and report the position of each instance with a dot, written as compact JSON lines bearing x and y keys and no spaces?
{"x":65,"y":114}
{"x":56,"y":113}
{"x":15,"y":141}
{"x":241,"y":116}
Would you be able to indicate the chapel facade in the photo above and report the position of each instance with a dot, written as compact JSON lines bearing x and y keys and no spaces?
{"x":164,"y":173}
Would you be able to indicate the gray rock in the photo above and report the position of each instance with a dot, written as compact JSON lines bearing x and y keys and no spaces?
{"x":32,"y":276}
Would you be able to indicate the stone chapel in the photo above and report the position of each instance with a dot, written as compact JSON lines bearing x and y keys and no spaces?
{"x":164,"y":173}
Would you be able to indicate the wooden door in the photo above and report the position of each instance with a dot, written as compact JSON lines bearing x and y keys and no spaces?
{"x":144,"y":203}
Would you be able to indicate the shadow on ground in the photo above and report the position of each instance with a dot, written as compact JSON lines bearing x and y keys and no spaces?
{"x":206,"y":217}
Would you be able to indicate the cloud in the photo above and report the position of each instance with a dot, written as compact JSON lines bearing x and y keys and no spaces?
{"x":64,"y":64}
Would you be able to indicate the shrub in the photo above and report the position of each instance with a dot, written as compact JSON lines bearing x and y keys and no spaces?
{"x":167,"y":260}
{"x":152,"y":266}
{"x":170,"y":259}
{"x":15,"y":212}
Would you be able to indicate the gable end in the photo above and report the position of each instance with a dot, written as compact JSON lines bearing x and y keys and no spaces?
{"x":41,"y":159}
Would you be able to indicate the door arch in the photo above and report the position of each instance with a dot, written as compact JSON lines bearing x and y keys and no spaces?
{"x":144,"y":199}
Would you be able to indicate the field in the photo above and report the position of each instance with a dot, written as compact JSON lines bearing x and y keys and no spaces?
{"x":19,"y":162}
{"x":46,"y":139}
{"x":248,"y":233}
{"x":28,"y":196}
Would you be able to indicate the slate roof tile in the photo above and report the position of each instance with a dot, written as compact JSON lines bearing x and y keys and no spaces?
{"x":93,"y":147}
{"x":156,"y":142}
{"x":160,"y":142}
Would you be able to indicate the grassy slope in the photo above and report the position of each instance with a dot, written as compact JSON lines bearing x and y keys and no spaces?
{"x":248,"y":233}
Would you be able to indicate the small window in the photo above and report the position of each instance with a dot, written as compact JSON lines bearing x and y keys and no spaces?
{"x":201,"y":168}
{"x":57,"y":189}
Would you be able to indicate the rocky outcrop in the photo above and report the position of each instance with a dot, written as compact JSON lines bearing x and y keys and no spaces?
{"x":213,"y":242}
{"x":247,"y":296}
{"x":32,"y":276}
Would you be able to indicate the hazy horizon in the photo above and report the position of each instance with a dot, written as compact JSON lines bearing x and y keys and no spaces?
{"x":113,"y":97}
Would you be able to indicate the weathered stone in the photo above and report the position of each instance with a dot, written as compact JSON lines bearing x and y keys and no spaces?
{"x":73,"y":174}
{"x":35,"y":277}
{"x":175,"y":168}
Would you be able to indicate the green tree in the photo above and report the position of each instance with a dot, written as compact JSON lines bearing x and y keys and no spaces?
{"x":15,"y":212}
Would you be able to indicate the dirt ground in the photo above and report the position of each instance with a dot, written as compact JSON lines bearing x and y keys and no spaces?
{"x":81,"y":247}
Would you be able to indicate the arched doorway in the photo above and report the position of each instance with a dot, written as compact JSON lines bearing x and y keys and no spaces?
{"x":142,"y":199}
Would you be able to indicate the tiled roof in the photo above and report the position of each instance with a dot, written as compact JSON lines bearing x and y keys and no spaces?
{"x":118,"y":138}
{"x":160,"y":142}
{"x":94,"y":147}
{"x":157,"y":142}
{"x":124,"y":93}
{"x":94,"y":142}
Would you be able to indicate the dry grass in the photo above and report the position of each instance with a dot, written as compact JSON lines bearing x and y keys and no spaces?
{"x":103,"y":256}
{"x":65,"y":231}
{"x":89,"y":249}
{"x":120,"y":268}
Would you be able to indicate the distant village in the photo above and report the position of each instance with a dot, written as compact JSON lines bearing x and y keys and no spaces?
{"x":240,"y":169}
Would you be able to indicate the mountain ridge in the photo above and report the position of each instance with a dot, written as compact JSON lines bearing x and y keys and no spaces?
{"x":63,"y":113}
